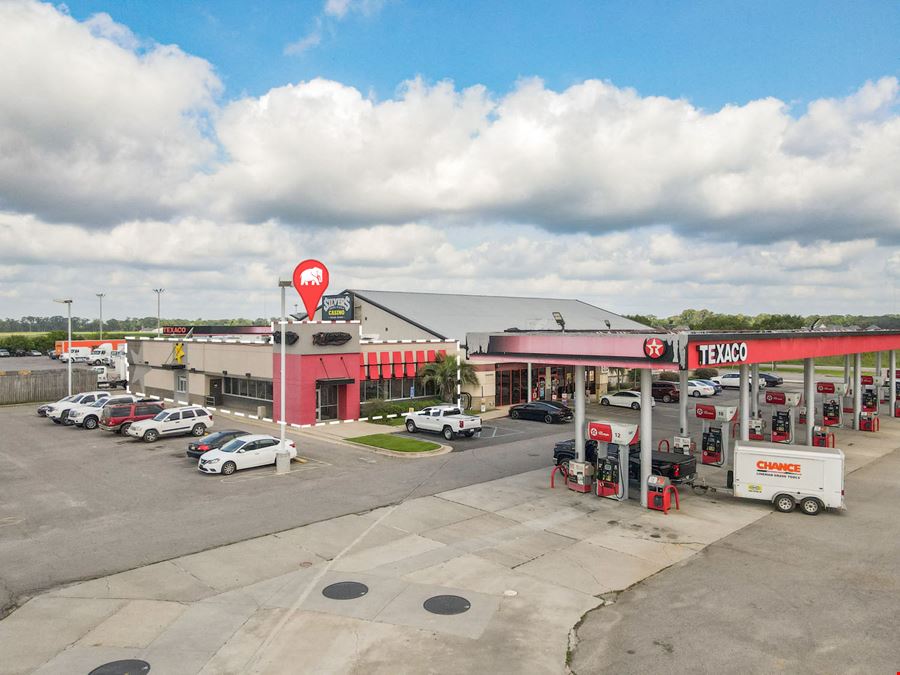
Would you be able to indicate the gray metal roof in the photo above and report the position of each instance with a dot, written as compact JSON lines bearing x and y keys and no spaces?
{"x":452,"y":316}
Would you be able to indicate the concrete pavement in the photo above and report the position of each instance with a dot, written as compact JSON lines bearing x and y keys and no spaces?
{"x":530,"y":561}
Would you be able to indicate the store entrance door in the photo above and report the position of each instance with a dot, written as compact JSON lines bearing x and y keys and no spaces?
{"x":326,"y":402}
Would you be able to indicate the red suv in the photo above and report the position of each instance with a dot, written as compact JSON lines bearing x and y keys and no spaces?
{"x":667,"y":392}
{"x":119,"y":417}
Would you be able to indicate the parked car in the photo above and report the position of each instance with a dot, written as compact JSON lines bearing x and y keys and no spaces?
{"x":20,"y":352}
{"x":191,"y":419}
{"x":667,"y":392}
{"x":34,"y":352}
{"x":446,"y":420}
{"x":771,"y":380}
{"x":4,"y":353}
{"x":59,"y":412}
{"x":733,"y":381}
{"x":697,"y":389}
{"x":52,"y":354}
{"x":542,"y":411}
{"x":715,"y":385}
{"x":87,"y":415}
{"x":679,"y":468}
{"x":213,"y":442}
{"x":243,"y":452}
{"x":624,"y":399}
{"x":119,"y":418}
{"x":42,"y":409}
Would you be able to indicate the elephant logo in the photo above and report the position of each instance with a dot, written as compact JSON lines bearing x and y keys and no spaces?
{"x":311,"y":277}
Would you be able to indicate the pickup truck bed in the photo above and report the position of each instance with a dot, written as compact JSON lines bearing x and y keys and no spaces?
{"x":675,"y":466}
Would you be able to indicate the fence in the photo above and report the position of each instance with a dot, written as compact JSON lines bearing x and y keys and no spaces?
{"x":27,"y":386}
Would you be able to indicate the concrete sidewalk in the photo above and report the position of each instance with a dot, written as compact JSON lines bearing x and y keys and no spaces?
{"x":529,"y":560}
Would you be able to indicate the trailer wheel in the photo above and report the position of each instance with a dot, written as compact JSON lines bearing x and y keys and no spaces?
{"x":811,"y":506}
{"x":784,"y":503}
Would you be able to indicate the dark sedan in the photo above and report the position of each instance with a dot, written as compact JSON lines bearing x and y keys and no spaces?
{"x":542,"y":411}
{"x":213,"y":442}
{"x":771,"y":380}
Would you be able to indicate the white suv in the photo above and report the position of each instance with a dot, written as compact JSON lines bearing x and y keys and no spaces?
{"x":87,"y":415}
{"x":190,"y":419}
{"x":59,"y":411}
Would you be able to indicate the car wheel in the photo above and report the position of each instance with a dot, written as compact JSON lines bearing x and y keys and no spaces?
{"x":784,"y":503}
{"x":469,"y":434}
{"x":124,"y":428}
{"x":198,"y":430}
{"x":514,"y":414}
{"x":98,"y":363}
{"x":811,"y":506}
{"x":90,"y":422}
{"x":228,"y":468}
{"x":150,"y":435}
{"x":667,"y":399}
{"x":604,"y":401}
{"x":411,"y":426}
{"x":447,"y":433}
{"x":635,"y":406}
{"x":696,"y":394}
{"x":564,"y":464}
{"x":548,"y":419}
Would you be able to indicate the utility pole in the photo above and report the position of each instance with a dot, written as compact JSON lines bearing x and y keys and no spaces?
{"x":158,"y":292}
{"x":68,"y":303}
{"x":100,"y":295}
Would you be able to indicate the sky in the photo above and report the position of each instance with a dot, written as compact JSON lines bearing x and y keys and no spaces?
{"x":646,"y":157}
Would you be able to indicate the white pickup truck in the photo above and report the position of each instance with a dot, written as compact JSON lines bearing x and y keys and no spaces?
{"x":446,"y":420}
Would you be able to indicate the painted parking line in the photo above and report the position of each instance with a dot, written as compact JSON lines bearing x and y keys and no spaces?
{"x":296,"y":468}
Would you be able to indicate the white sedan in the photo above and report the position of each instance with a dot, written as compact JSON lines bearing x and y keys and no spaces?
{"x":698,"y":389}
{"x":624,"y":399}
{"x":733,"y":381}
{"x":243,"y":452}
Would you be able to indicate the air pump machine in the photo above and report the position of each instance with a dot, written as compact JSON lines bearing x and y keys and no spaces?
{"x":615,"y":443}
{"x":715,"y":443}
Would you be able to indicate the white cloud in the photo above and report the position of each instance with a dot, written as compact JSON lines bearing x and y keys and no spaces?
{"x":90,"y":129}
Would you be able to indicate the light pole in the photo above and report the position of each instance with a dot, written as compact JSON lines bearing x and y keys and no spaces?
{"x":100,"y":295}
{"x":282,"y":458}
{"x":158,"y":292}
{"x":68,"y":303}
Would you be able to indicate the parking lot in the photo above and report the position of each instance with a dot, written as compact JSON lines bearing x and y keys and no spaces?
{"x":113,"y":503}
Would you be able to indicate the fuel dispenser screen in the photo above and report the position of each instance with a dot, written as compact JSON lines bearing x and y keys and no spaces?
{"x":831,"y":411}
{"x":869,"y":399}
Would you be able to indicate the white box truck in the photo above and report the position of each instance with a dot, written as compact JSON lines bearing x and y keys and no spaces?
{"x":788,"y":475}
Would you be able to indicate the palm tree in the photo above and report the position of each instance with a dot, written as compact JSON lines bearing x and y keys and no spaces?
{"x":443,"y":373}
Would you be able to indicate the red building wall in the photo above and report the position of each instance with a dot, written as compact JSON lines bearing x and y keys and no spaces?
{"x":302,"y":372}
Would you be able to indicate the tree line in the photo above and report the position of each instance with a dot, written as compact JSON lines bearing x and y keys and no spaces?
{"x":43,"y":324}
{"x":704,"y":319}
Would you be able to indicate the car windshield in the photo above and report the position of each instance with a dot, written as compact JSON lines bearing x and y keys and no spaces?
{"x":98,"y":403}
{"x":233,"y":445}
{"x":161,"y":416}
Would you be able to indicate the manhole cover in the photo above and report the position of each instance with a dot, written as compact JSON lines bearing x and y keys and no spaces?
{"x":345,"y":590}
{"x":126,"y":667}
{"x":447,"y":604}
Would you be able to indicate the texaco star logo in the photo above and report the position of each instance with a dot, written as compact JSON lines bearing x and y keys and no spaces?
{"x":654,"y":348}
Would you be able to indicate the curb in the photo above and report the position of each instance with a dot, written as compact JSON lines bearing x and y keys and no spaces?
{"x":442,"y":450}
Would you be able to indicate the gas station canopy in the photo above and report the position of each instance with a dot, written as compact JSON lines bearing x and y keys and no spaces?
{"x":685,"y":350}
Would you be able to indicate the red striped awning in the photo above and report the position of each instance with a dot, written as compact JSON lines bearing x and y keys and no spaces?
{"x":386,"y":365}
{"x":443,"y":353}
{"x":373,"y":365}
{"x":398,"y":364}
{"x":362,"y":367}
{"x":429,"y":357}
{"x":410,"y":364}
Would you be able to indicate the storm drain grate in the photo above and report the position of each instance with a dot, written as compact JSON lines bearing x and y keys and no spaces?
{"x":345,"y":590}
{"x":447,"y":604}
{"x":125,"y":667}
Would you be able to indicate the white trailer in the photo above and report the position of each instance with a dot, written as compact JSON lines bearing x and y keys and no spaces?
{"x":787,"y":475}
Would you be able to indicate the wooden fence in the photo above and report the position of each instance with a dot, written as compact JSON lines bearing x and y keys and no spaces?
{"x":28,"y":386}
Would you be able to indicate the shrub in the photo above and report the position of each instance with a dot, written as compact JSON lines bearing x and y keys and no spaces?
{"x":381,"y":407}
{"x":705,"y":373}
{"x":668,"y":376}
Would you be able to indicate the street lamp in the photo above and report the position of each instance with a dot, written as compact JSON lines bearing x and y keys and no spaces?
{"x":68,"y":303}
{"x":100,"y":295}
{"x":158,"y":292}
{"x":282,"y":458}
{"x":559,"y":319}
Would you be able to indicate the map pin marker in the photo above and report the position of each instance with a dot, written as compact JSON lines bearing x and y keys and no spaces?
{"x":310,"y":281}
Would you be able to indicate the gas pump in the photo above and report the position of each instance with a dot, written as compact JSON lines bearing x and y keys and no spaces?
{"x":869,"y":394}
{"x":615,"y":442}
{"x":830,"y":394}
{"x":716,"y":438}
{"x":782,"y":420}
{"x":757,"y":427}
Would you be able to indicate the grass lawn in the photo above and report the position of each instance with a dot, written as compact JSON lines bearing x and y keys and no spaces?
{"x":396,"y":443}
